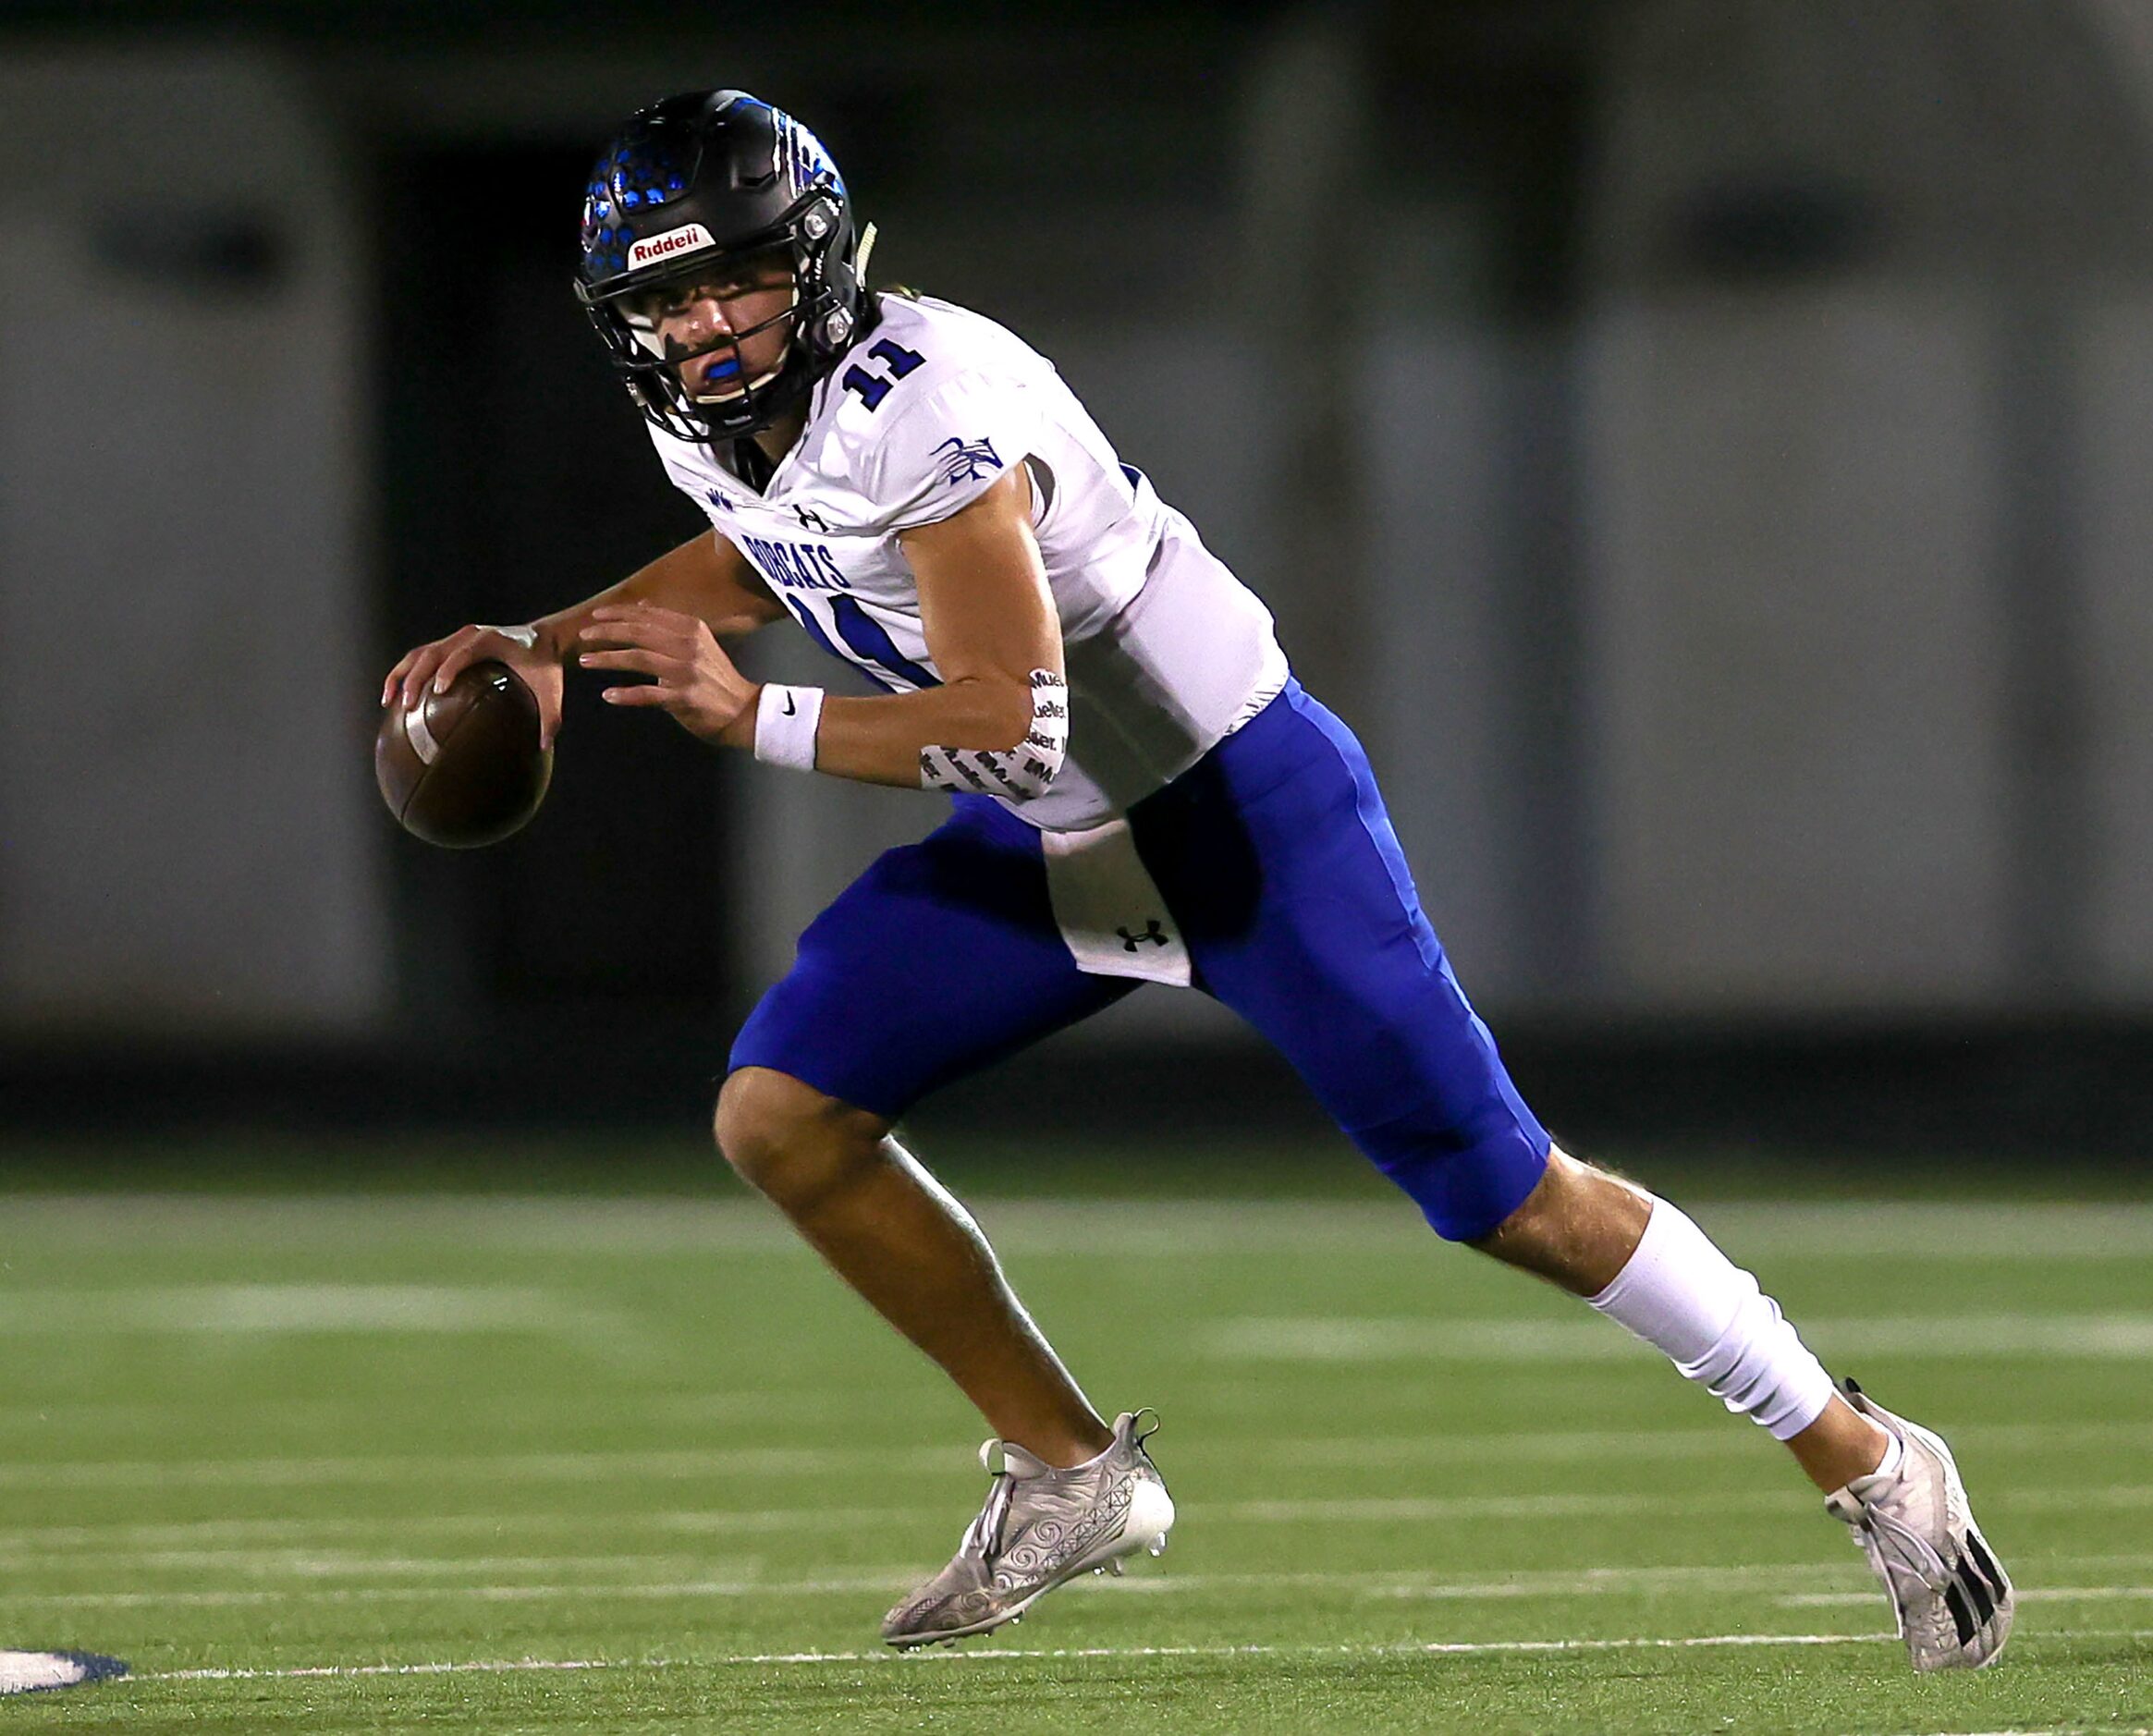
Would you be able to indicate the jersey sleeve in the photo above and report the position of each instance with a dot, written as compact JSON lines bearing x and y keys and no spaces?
{"x":950,"y":446}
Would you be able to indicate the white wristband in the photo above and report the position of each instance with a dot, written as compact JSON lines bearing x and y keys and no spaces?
{"x":786,"y":720}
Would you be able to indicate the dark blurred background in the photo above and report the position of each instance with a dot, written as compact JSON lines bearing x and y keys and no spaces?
{"x":1698,"y":443}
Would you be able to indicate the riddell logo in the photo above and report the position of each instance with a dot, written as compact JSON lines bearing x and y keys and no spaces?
{"x":689,"y":239}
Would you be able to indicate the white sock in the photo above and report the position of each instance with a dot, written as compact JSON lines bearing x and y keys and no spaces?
{"x":1894,"y":1455}
{"x":1681,"y":1294}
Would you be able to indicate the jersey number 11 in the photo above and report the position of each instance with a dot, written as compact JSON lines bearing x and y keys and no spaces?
{"x":873,"y":388}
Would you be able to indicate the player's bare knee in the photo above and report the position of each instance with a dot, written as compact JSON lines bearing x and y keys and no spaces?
{"x":762,"y":1118}
{"x":788,"y":1140}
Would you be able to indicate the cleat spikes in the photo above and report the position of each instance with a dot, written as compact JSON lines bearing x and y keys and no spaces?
{"x":1114,"y":1568}
{"x":1158,"y":1545}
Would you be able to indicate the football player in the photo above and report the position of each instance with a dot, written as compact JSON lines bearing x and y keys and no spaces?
{"x":1140,"y":792}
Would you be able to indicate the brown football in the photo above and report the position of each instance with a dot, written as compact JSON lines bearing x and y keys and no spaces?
{"x":464,"y":768}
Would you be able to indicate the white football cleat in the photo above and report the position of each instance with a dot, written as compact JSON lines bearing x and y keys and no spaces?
{"x":1040,"y":1528}
{"x":1953,"y":1601}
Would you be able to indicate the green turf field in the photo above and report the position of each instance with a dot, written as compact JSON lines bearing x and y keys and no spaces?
{"x":504,"y":1463}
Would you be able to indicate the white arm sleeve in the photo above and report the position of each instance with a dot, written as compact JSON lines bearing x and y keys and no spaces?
{"x":1015,"y":774}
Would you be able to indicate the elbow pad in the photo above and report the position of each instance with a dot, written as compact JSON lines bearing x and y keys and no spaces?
{"x":1015,"y":773}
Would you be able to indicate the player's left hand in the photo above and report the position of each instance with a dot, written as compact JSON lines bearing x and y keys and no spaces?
{"x":692,"y":679}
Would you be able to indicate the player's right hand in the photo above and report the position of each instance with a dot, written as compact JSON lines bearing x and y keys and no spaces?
{"x":526,"y":650}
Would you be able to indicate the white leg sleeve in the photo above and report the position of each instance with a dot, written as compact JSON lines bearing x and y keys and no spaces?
{"x":1681,"y":1294}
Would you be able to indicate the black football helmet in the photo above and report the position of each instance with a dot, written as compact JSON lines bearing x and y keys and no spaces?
{"x":702,"y":181}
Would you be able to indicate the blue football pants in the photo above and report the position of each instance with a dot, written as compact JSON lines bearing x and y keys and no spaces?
{"x":1275,"y":855}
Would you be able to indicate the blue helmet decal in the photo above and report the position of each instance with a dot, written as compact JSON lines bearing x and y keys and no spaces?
{"x":805,"y":164}
{"x":800,"y":157}
{"x":649,"y":169}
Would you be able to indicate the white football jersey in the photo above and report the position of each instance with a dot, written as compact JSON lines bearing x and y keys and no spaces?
{"x":1166,"y":651}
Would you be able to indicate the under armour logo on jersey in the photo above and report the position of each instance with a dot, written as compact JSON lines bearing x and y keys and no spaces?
{"x":720,"y":498}
{"x":809,"y":520}
{"x":1151,"y":932}
{"x":963,"y":461}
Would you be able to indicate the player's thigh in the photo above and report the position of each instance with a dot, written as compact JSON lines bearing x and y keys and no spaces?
{"x":942,"y":958}
{"x":1279,"y":860}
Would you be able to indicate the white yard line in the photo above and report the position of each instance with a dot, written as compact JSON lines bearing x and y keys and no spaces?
{"x":1331,"y":1338}
{"x":80,"y":1542}
{"x":1759,"y":1579}
{"x":2026,"y":1594}
{"x":666,"y":1575}
{"x":597,"y":1226}
{"x":322,"y":1564}
{"x":305,"y":1564}
{"x":390,"y":1468}
{"x":1220,"y":1441}
{"x":1546,"y":1446}
{"x":1013,"y":1654}
{"x":126,"y":1541}
{"x":1553,"y":1445}
{"x":609,"y":1464}
{"x":282,"y":1308}
{"x":1551,"y":1506}
{"x":531,"y":1409}
{"x":1393,"y":1582}
{"x":1439,"y":1648}
{"x":1387,"y":1508}
{"x":877,"y":1580}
